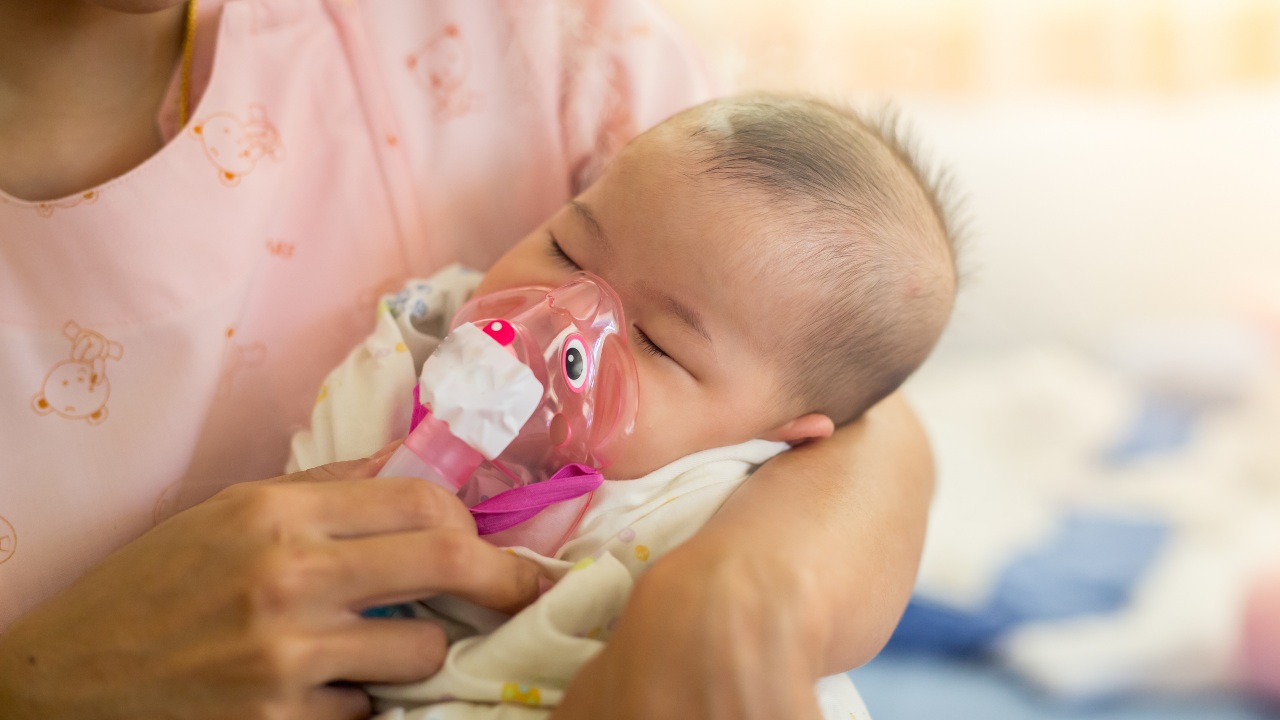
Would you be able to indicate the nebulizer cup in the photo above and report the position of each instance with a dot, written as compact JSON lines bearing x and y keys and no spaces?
{"x":528,"y":381}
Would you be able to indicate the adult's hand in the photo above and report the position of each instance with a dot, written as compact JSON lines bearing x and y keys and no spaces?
{"x":247,"y":605}
{"x":803,"y":572}
{"x":720,"y":645}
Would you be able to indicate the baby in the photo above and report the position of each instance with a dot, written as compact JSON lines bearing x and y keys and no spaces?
{"x":783,"y":265}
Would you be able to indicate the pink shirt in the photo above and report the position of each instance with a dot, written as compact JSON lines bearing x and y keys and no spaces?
{"x":161,"y":335}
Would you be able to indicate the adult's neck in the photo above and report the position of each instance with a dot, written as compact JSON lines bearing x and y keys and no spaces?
{"x":74,"y":75}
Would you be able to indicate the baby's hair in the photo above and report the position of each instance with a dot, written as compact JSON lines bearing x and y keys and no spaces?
{"x":861,"y":225}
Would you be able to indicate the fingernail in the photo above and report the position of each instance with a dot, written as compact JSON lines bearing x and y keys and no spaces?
{"x":385,"y":452}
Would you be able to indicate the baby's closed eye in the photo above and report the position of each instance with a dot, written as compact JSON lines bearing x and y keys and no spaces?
{"x":647,"y":344}
{"x":559,"y":255}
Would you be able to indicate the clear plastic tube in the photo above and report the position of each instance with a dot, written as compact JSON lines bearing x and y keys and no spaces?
{"x":432,"y":453}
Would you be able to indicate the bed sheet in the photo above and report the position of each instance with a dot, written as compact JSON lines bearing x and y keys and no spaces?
{"x":908,"y":686}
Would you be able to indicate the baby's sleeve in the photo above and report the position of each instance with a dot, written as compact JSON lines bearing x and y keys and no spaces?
{"x":363,"y":404}
{"x":367,"y":401}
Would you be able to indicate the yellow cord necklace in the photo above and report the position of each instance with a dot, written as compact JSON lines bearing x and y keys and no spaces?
{"x":188,"y":43}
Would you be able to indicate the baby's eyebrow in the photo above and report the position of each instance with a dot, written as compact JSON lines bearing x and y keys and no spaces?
{"x":589,"y":219}
{"x":684,"y":312}
{"x":690,"y":317}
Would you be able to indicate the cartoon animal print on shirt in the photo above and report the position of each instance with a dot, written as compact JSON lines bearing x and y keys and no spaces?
{"x":237,"y":358}
{"x":45,"y":209}
{"x":442,"y":68}
{"x":8,"y":540}
{"x":235,"y":146}
{"x":280,"y":249}
{"x":78,"y":388}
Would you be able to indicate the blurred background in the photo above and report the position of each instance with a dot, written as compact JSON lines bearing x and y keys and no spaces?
{"x":1105,"y":407}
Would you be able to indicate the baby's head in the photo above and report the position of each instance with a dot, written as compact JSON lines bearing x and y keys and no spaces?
{"x":783,"y":265}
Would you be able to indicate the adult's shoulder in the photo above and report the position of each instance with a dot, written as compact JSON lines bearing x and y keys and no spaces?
{"x":627,"y":66}
{"x":494,"y":112}
{"x":603,"y":70}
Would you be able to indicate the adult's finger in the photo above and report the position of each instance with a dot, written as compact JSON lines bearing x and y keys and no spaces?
{"x":392,"y":568}
{"x":383,"y":651}
{"x":342,"y":470}
{"x":333,"y":703}
{"x":352,"y":508}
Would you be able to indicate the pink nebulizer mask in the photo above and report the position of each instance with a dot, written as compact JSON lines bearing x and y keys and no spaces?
{"x":534,"y":390}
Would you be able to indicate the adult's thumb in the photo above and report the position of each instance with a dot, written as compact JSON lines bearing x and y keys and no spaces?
{"x":345,"y":469}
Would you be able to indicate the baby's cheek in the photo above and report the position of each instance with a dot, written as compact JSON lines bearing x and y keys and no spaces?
{"x":631,"y":461}
{"x":518,"y":267}
{"x":663,"y":433}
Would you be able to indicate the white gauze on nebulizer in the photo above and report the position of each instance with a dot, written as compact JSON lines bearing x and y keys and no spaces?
{"x":480,"y":396}
{"x":480,"y":389}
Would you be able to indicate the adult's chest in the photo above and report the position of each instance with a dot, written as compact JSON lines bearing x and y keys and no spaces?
{"x":160,"y":334}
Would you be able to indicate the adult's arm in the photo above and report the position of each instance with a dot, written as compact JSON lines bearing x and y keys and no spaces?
{"x":247,"y":605}
{"x":803,"y":573}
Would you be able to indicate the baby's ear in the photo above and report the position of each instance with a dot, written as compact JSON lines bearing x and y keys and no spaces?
{"x":813,"y":426}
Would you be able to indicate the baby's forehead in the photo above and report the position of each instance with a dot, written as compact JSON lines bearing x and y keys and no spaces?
{"x":682,"y":164}
{"x":768,"y":297}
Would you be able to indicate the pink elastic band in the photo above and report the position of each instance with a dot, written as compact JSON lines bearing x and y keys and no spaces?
{"x":508,"y":509}
{"x":419,"y":410}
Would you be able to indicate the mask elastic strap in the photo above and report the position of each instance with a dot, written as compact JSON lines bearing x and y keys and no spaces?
{"x":512,"y":507}
{"x":420,"y":411}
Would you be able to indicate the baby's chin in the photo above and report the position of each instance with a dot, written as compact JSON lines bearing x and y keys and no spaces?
{"x":630,"y":466}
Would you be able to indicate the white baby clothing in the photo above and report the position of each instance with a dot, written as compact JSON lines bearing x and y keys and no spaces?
{"x":518,"y":666}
